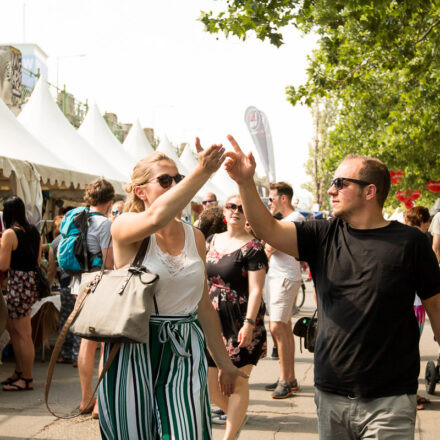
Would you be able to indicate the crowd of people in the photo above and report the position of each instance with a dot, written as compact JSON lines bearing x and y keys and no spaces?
{"x":374,"y":280}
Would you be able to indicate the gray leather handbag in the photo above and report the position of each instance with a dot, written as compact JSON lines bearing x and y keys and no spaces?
{"x":115,"y":305}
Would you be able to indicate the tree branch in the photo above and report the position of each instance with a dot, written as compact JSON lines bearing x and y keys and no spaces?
{"x":433,"y":25}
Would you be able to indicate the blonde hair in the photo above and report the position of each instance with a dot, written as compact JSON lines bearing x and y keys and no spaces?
{"x":234,"y":196}
{"x":140,"y":176}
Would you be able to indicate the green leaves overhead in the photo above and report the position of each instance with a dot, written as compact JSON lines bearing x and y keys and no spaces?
{"x":377,"y":61}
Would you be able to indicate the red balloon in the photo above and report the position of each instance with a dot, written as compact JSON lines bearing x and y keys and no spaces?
{"x":415,"y":194}
{"x":396,"y":176}
{"x":433,"y":186}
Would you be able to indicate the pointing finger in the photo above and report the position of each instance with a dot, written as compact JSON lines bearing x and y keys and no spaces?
{"x":234,"y":144}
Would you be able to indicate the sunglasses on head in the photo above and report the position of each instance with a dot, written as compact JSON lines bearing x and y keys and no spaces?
{"x":165,"y":180}
{"x":338,"y":183}
{"x":204,"y":202}
{"x":234,"y":207}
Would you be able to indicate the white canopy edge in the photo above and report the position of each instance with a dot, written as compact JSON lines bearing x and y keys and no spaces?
{"x":56,"y":177}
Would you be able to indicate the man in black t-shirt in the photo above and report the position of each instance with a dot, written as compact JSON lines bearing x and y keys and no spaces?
{"x":366,"y":271}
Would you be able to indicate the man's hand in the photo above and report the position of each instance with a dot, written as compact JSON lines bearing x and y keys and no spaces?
{"x":239,"y":166}
{"x":210,"y":159}
{"x":227,"y":377}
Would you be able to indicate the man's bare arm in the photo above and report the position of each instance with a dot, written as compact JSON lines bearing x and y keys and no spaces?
{"x":432,"y":307}
{"x":436,"y":246}
{"x":280,"y":235}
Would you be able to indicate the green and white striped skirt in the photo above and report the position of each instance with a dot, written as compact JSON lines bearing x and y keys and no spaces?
{"x":158,"y":390}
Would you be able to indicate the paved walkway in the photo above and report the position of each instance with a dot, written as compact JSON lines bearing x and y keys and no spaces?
{"x":24,"y":415}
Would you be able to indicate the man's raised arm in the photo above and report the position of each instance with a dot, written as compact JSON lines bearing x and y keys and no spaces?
{"x":280,"y":235}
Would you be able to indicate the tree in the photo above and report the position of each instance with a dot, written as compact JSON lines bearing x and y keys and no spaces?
{"x":377,"y":60}
{"x":323,"y":120}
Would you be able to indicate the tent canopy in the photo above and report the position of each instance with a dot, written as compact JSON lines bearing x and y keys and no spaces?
{"x":42,"y":117}
{"x":96,"y":132}
{"x":136,"y":144}
{"x":166,"y":148}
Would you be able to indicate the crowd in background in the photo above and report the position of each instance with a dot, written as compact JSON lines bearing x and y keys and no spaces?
{"x":218,"y":266}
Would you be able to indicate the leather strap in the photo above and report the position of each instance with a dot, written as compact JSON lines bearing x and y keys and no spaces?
{"x":140,"y":255}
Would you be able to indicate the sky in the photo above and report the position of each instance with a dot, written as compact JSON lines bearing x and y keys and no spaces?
{"x":152,"y":60}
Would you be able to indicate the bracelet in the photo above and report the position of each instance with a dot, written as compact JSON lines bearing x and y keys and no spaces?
{"x":250,"y":321}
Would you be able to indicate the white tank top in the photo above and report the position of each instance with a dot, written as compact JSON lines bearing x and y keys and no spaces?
{"x":181,"y":277}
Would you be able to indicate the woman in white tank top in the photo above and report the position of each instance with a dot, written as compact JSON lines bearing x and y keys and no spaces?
{"x":159,"y":390}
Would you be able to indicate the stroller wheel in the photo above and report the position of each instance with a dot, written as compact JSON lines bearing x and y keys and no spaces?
{"x":430,"y":377}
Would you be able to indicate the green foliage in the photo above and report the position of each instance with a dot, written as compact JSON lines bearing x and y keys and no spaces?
{"x":377,"y":60}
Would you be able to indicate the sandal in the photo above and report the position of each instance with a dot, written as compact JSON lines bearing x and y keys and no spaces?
{"x":89,"y":409}
{"x":17,"y":387}
{"x":421,"y":402}
{"x":63,"y":360}
{"x":15,"y":377}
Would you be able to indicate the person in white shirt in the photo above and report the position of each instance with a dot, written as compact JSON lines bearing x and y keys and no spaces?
{"x":284,"y":280}
{"x":434,"y":229}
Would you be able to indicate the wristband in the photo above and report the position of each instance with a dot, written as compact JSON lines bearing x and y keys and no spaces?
{"x":250,"y":321}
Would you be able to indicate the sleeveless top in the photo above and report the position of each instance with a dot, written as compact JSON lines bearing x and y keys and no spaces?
{"x":181,"y":282}
{"x":25,"y":257}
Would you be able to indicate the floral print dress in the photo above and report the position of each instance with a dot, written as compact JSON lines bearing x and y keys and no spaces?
{"x":229,"y":293}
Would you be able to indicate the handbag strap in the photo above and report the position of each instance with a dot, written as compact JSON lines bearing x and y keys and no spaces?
{"x":140,"y":255}
{"x":57,"y":349}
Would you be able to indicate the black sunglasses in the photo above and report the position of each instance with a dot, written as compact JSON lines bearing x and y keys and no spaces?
{"x":204,"y":202}
{"x":338,"y":183}
{"x":233,"y":207}
{"x":165,"y":180}
{"x":271,"y":199}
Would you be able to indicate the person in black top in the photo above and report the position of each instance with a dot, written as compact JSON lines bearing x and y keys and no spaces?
{"x":20,"y":254}
{"x":366,"y":271}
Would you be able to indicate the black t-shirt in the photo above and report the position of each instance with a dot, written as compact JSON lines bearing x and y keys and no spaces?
{"x":366,"y":281}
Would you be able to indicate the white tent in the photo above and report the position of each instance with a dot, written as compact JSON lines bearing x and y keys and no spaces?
{"x":190,"y":162}
{"x":17,"y":143}
{"x":97,"y":133}
{"x":42,"y":117}
{"x":26,"y":164}
{"x":166,"y":148}
{"x":136,"y":144}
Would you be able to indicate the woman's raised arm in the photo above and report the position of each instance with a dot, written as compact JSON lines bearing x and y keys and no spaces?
{"x":133,"y":227}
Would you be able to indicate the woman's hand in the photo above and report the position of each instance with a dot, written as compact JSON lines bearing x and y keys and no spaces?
{"x":227,"y":377}
{"x":239,"y":166}
{"x":245,"y":335}
{"x":210,"y":159}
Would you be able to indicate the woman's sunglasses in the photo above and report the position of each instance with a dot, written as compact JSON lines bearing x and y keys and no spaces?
{"x":165,"y":180}
{"x":234,"y":207}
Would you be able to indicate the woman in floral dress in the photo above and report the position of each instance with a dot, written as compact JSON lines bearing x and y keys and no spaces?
{"x":236,"y":266}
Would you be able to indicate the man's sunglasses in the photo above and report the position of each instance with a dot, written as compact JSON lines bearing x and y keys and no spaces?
{"x":234,"y":207}
{"x":338,"y":183}
{"x":271,"y":199}
{"x":204,"y":202}
{"x":165,"y":180}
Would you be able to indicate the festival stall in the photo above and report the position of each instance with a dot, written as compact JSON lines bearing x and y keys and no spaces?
{"x":42,"y":117}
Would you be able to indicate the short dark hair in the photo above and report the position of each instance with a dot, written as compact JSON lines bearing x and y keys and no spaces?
{"x":417,"y":215}
{"x":98,"y":192}
{"x":211,"y":222}
{"x":283,"y":189}
{"x":376,"y":172}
